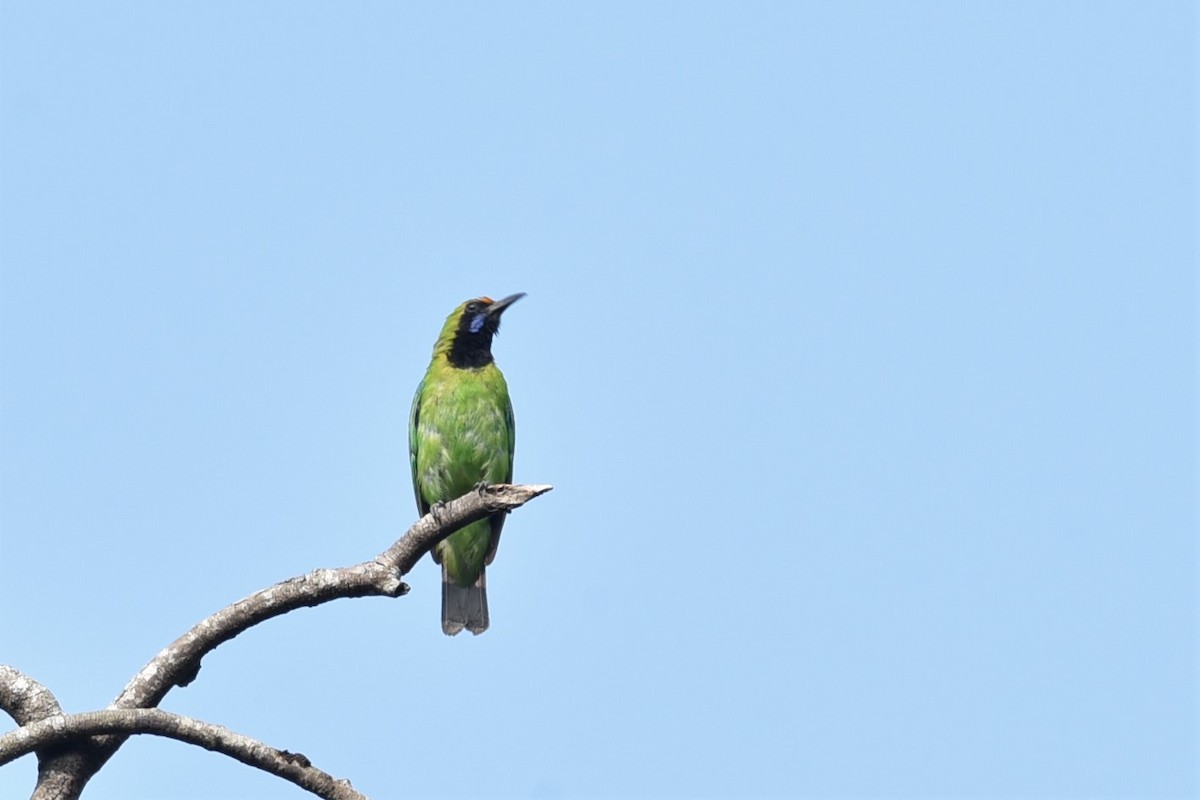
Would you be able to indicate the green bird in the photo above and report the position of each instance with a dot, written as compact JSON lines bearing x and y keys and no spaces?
{"x":460,"y":433}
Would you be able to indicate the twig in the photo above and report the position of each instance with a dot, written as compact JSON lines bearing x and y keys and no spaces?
{"x":179,"y":662}
{"x":62,"y":728}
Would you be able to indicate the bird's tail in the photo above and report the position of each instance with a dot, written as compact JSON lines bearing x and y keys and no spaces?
{"x":464,"y":606}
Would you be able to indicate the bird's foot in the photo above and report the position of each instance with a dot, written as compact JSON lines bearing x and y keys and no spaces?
{"x":436,"y":510}
{"x":481,"y":487}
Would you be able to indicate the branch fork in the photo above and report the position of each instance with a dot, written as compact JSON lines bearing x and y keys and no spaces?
{"x":71,"y":748}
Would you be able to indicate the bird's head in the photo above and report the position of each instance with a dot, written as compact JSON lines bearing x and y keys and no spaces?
{"x":467,"y":335}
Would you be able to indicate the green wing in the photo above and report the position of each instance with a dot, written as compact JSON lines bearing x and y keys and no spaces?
{"x":497,"y":520}
{"x":422,"y":506}
{"x":512,"y":437}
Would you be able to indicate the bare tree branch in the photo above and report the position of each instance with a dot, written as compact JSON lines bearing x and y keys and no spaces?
{"x":28,"y":702}
{"x":23,"y":698}
{"x":60,"y":729}
{"x":179,"y":663}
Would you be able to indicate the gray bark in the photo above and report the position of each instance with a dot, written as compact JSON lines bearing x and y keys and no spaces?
{"x":66,"y":764}
{"x":61,"y":729}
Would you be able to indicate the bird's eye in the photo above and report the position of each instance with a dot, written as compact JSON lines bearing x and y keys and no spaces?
{"x":472,"y":306}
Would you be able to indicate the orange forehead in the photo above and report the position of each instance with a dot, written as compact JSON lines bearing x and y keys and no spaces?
{"x":486,"y":299}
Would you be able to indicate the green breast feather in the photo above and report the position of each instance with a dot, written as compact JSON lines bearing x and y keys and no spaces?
{"x":461,"y":433}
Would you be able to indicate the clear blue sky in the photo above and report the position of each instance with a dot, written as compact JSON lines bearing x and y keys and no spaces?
{"x":860,"y":346}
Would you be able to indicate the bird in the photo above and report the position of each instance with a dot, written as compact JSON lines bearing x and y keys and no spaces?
{"x":461,"y":433}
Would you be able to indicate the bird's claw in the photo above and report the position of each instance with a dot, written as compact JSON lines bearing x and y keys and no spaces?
{"x":435,"y":511}
{"x":481,"y":487}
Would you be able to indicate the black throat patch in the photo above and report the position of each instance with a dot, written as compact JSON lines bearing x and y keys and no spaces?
{"x":472,"y":349}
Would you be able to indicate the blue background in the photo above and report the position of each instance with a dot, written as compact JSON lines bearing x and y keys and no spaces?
{"x":860,"y":347}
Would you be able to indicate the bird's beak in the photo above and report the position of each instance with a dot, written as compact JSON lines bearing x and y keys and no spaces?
{"x":497,"y":308}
